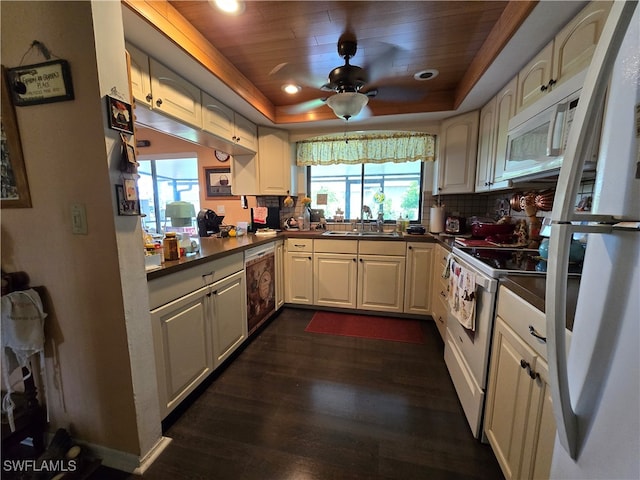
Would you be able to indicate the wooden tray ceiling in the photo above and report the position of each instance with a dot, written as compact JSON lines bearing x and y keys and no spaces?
{"x":459,"y":39}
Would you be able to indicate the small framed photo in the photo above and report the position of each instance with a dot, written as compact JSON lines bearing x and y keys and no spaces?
{"x":120,"y":115}
{"x":126,"y":207}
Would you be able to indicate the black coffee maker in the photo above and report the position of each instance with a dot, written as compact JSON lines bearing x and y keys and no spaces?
{"x":208,"y":223}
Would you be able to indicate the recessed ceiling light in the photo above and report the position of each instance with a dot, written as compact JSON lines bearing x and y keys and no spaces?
{"x":234,"y":7}
{"x":423,"y":75}
{"x":291,"y":89}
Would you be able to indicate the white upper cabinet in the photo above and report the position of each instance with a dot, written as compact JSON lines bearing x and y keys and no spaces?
{"x":217,"y":118}
{"x":174,"y":96}
{"x":574,"y":45}
{"x":567,"y":54}
{"x":456,"y":166}
{"x":139,"y":76}
{"x":223,"y":122}
{"x":246,"y":133}
{"x":534,"y":77}
{"x":486,"y":145}
{"x":274,"y":161}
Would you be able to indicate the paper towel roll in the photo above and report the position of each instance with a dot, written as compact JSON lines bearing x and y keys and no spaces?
{"x":436,"y":220}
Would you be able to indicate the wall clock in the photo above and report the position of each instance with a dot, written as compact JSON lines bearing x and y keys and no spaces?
{"x":222,"y":156}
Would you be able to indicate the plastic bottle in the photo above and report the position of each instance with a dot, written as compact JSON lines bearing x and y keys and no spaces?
{"x":399,"y":224}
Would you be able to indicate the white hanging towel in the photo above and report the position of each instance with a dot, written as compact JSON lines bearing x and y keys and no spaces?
{"x":22,"y":335}
{"x":462,"y":295}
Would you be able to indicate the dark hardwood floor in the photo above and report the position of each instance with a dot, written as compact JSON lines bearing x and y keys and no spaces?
{"x":297,"y":405}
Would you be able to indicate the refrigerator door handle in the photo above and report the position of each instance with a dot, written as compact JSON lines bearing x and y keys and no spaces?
{"x":556,"y":300}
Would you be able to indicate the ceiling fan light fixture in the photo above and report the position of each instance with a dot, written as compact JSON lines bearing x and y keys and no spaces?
{"x":347,"y":104}
{"x":291,"y":88}
{"x":428,"y":74}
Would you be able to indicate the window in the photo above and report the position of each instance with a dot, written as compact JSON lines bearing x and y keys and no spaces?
{"x":399,"y":183}
{"x":164,"y":181}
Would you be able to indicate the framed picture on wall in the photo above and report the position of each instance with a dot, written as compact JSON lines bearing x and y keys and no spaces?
{"x":15,"y":188}
{"x":218,"y":182}
{"x":120,"y":115}
{"x":126,"y":207}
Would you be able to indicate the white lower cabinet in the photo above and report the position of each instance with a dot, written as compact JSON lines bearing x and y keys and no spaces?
{"x":182,"y":339}
{"x":298,"y":271}
{"x":335,"y":269}
{"x":228,"y":315}
{"x":519,"y":420}
{"x":198,"y":319}
{"x":417,"y":285}
{"x":439,"y":291}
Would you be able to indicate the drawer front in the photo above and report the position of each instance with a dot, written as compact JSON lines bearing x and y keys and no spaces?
{"x":521,"y":316}
{"x":299,"y":245}
{"x":335,"y":246}
{"x":175,"y":285}
{"x":441,"y":257}
{"x":373,"y":247}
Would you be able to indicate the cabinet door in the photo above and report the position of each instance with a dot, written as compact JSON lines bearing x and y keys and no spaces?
{"x":486,"y":142}
{"x":534,"y":78}
{"x":505,"y":110}
{"x":508,"y":402}
{"x":381,"y":283}
{"x":182,"y":342}
{"x":335,"y":280}
{"x":228,"y":316}
{"x":299,"y":278}
{"x":274,"y":161}
{"x":457,"y":160}
{"x":217,"y":118}
{"x":246,"y":133}
{"x":139,"y":76}
{"x":279,"y":261}
{"x":419,"y":266}
{"x":575,"y":43}
{"x":541,"y":430}
{"x":174,"y":96}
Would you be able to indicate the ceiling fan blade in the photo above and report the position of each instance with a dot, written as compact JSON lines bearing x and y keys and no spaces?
{"x":382,"y":64}
{"x":395,"y":93}
{"x":285,"y":72}
{"x":305,"y":106}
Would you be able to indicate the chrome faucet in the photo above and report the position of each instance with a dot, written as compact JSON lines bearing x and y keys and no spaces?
{"x":380,"y":222}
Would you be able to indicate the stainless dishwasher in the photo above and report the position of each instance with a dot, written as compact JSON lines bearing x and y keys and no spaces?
{"x":259,"y":264}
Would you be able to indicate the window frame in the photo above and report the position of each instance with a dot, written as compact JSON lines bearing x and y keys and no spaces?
{"x":349,"y":181}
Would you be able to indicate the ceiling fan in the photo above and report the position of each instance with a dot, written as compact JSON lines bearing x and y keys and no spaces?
{"x":352,"y":85}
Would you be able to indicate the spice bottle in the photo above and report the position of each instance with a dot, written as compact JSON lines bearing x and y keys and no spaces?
{"x":171,"y":250}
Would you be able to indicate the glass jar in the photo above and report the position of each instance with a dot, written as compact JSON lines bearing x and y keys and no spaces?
{"x":171,"y":249}
{"x":306,"y":219}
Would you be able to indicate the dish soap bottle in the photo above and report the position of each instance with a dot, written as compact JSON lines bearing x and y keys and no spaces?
{"x":399,"y":224}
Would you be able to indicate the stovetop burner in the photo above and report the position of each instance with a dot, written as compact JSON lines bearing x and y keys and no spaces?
{"x":501,"y":261}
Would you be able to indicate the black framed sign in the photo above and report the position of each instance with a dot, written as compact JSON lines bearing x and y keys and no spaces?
{"x":40,"y":83}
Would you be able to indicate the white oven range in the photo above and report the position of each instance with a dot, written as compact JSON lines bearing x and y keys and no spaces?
{"x":466,"y":352}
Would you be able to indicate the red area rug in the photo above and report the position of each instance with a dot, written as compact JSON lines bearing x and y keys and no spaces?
{"x":366,"y":326}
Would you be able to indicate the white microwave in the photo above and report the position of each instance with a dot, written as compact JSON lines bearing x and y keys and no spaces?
{"x":537,"y":139}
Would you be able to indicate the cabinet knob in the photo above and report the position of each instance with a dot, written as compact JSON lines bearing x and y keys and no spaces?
{"x":149,"y":97}
{"x":410,"y":247}
{"x":354,"y":259}
{"x":159,"y":102}
{"x":543,"y":88}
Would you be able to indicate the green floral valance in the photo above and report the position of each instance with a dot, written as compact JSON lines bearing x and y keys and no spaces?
{"x":366,"y":148}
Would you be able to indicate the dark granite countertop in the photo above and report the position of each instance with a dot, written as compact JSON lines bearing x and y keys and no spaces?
{"x":212,"y":248}
{"x":532,"y":289}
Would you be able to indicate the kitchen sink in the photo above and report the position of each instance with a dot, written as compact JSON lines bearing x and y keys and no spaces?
{"x":334,"y":233}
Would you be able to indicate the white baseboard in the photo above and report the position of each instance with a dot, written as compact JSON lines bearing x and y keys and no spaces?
{"x":127,"y":462}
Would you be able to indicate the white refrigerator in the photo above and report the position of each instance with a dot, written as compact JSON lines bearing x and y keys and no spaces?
{"x":596,"y":384}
